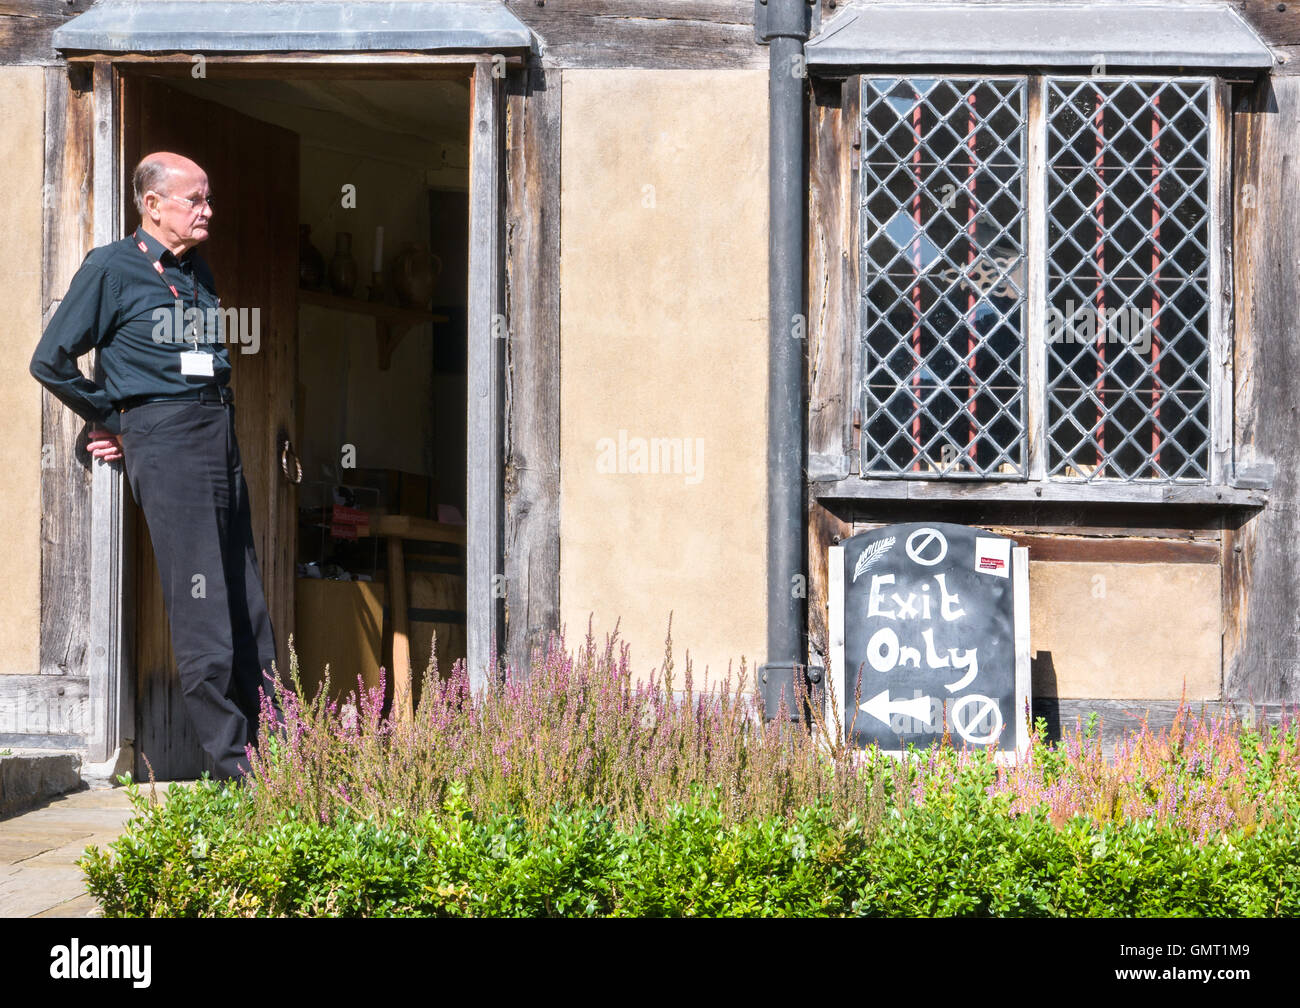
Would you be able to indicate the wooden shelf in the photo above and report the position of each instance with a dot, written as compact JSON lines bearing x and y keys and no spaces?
{"x":392,"y":322}
{"x":392,"y":314}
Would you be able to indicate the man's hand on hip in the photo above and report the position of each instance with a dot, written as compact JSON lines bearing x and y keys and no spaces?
{"x":105,"y":446}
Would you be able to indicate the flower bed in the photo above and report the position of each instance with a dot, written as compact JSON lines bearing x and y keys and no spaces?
{"x":575,"y":791}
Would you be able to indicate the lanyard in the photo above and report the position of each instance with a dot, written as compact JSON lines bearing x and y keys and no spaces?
{"x":158,"y":268}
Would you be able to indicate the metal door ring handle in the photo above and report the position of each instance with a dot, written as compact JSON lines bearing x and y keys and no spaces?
{"x":286,"y":450}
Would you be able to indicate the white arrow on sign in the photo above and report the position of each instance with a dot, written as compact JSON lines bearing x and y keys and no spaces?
{"x":881,"y":707}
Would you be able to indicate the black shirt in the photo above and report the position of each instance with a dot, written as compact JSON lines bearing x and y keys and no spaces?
{"x":120,"y":305}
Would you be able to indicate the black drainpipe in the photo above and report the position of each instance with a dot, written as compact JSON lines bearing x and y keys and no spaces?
{"x":785,"y":26}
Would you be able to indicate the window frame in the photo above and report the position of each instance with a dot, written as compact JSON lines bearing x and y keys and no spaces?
{"x":1218,"y":487}
{"x":1023,"y":229}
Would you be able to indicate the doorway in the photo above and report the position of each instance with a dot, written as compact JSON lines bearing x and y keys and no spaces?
{"x":350,"y":380}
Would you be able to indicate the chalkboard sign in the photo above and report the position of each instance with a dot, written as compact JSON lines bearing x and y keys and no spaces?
{"x":926,"y":634}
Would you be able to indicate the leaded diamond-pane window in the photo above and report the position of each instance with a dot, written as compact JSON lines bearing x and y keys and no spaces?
{"x":943,"y":230}
{"x":1038,"y":278}
{"x":1128,"y":278}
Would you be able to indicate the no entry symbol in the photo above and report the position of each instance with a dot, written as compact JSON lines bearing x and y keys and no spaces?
{"x":974,"y":712}
{"x":927,"y":546}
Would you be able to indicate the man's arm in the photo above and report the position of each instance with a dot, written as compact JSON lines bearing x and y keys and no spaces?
{"x":86,"y":317}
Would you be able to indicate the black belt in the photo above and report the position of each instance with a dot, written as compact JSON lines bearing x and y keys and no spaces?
{"x":205,"y":394}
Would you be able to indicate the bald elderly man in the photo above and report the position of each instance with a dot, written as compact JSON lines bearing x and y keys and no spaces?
{"x":164,"y":407}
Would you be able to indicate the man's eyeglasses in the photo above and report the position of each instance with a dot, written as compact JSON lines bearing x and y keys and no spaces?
{"x":190,"y":203}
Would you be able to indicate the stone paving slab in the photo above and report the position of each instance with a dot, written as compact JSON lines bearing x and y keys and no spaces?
{"x":39,"y":890}
{"x":79,"y":906}
{"x":15,"y":849}
{"x":39,"y":851}
{"x":60,"y":821}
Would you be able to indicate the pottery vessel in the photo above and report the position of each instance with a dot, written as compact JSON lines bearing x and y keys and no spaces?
{"x":343,"y":268}
{"x":412,"y":275}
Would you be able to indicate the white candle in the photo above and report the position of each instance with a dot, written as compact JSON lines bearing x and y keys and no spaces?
{"x":379,"y":249}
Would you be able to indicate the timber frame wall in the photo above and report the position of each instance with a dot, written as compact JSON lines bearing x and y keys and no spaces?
{"x":578,"y":34}
{"x":1261,"y":579}
{"x":1248,"y":529}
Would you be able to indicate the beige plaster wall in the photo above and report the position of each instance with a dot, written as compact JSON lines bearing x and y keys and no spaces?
{"x":22,"y":109}
{"x":663,"y":332}
{"x":1127,"y":631}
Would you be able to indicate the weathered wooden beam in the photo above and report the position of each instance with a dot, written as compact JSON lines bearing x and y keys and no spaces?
{"x":42,"y":740}
{"x":832,"y":324}
{"x":1288,"y":60}
{"x":853,"y":489}
{"x":485,"y":377}
{"x":1261,"y":588}
{"x":532,"y":476}
{"x":304,"y":65}
{"x":832,"y":270}
{"x":1208,"y":535}
{"x":1211,"y":536}
{"x":26,"y":28}
{"x":1093,"y":549}
{"x":178,"y":62}
{"x":111,"y":715}
{"x":591,"y":33}
{"x":679,"y":34}
{"x":65,"y":477}
{"x":1123,"y":717}
{"x":34,"y":705}
{"x":1278,"y":24}
{"x":1011,"y":518}
{"x":683,"y":34}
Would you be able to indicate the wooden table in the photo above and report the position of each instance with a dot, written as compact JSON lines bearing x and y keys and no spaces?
{"x":395,"y":528}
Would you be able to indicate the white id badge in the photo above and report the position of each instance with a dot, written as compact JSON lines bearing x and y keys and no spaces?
{"x":196,"y":362}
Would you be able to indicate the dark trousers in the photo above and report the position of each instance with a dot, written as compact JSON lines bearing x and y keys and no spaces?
{"x":183,"y":465}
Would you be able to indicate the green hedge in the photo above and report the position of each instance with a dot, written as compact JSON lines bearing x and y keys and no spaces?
{"x":198,"y":854}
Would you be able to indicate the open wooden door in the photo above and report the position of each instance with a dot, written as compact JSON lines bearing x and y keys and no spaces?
{"x":252,"y":170}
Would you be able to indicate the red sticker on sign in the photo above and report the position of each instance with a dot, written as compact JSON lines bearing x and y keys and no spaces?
{"x":992,"y":556}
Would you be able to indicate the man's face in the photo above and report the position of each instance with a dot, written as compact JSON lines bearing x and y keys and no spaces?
{"x":182,"y":214}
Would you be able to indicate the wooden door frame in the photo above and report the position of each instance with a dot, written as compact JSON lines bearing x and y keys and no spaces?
{"x":111,"y":728}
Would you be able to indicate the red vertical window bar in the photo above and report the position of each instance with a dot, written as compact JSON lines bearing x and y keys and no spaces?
{"x":1100,"y":125}
{"x":916,"y":286}
{"x":1155,"y":286}
{"x":971,"y":299}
